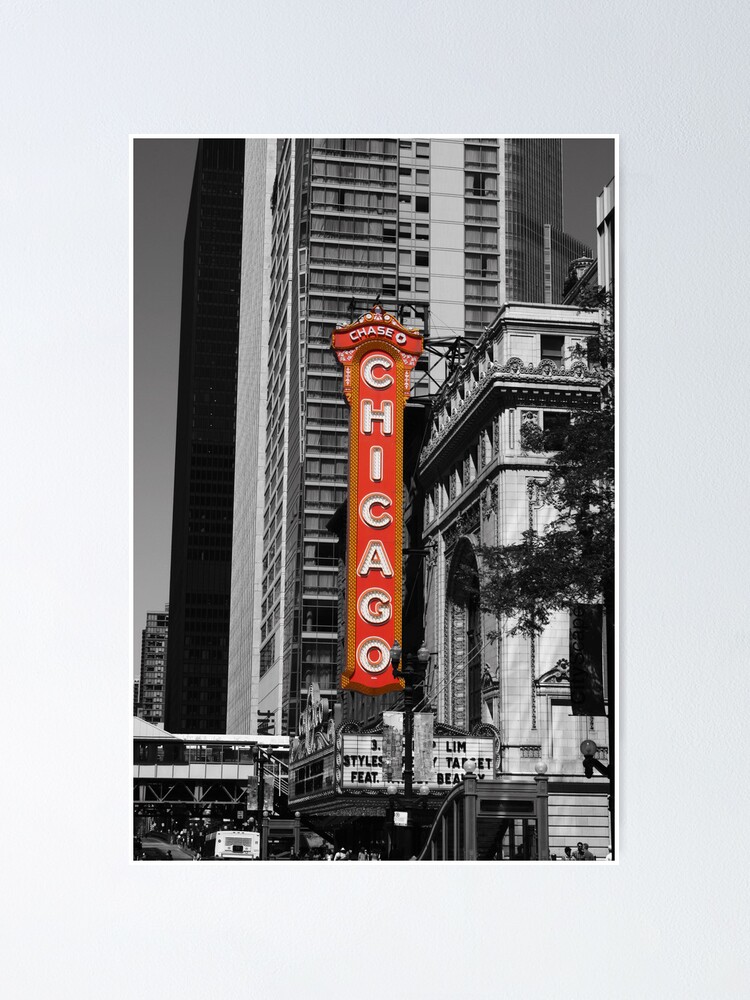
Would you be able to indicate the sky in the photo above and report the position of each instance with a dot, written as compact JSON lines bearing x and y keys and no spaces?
{"x":162,"y":178}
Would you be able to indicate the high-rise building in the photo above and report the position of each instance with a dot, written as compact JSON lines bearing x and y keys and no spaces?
{"x":199,"y":594}
{"x":154,"y":644}
{"x":537,"y":251}
{"x":245,"y":687}
{"x":442,"y":232}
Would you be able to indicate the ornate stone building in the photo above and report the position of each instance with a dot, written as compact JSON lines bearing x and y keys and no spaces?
{"x":524,"y":377}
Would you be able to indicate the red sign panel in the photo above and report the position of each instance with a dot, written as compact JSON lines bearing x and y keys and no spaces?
{"x":378,"y":355}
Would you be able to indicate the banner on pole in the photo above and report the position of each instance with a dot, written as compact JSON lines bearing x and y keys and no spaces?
{"x":393,"y":737}
{"x":252,"y":792}
{"x":585,"y":657}
{"x":424,"y":726}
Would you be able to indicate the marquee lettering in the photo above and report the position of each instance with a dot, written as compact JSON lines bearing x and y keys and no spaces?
{"x":374,"y":606}
{"x":374,"y":655}
{"x":368,"y":371}
{"x":370,"y":416}
{"x":375,"y":520}
{"x":378,"y":355}
{"x":375,"y":558}
{"x":376,"y":463}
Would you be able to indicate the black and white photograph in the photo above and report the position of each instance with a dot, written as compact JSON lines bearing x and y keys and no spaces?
{"x":449,"y":693}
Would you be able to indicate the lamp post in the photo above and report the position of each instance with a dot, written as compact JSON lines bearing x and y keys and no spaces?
{"x":589,"y":750}
{"x":412,"y":672}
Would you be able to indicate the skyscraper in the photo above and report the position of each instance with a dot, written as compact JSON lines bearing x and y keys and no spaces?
{"x":199,"y":594}
{"x":441,"y":231}
{"x":154,"y":645}
{"x":253,"y":392}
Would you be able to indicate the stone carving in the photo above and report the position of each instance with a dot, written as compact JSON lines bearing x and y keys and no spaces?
{"x":559,"y":674}
{"x":488,"y":500}
{"x":450,"y":405}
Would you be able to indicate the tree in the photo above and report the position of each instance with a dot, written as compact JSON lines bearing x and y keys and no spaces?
{"x":572,"y":560}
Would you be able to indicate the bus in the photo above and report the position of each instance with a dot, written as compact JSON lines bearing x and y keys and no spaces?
{"x":231,"y":845}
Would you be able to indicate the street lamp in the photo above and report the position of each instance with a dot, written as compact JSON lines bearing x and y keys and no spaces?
{"x":412,"y":672}
{"x":590,"y":763}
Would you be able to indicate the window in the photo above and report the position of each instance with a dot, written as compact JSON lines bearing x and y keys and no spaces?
{"x":485,"y":239}
{"x":423,"y":177}
{"x":481,"y":185}
{"x":555,"y":424}
{"x":421,"y":232}
{"x":404,"y":199}
{"x":552,"y":349}
{"x":266,"y":656}
{"x":422,"y":258}
{"x":423,"y":149}
{"x":404,"y":171}
{"x":485,"y":158}
{"x":404,"y":284}
{"x":404,"y":258}
{"x":481,"y":266}
{"x":404,"y":230}
{"x":421,"y":284}
{"x":480,"y":211}
{"x":422,"y":203}
{"x":403,"y":144}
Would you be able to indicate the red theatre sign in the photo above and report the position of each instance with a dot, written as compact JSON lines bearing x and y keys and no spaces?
{"x":378,"y":355}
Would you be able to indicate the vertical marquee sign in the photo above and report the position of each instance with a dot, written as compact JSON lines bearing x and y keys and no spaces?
{"x":378,"y":355}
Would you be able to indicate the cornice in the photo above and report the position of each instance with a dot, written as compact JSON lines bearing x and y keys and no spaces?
{"x":513,"y":375}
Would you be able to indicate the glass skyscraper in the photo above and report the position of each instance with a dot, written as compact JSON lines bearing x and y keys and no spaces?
{"x":199,"y":592}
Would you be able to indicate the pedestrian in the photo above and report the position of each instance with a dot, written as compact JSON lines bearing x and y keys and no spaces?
{"x":362,"y":856}
{"x":580,"y":854}
{"x":340,"y":855}
{"x":587,"y":854}
{"x":169,"y":856}
{"x":608,"y":856}
{"x":568,"y":856}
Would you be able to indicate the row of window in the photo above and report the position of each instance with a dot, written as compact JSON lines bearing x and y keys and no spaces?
{"x":353,"y":201}
{"x":361,"y":147}
{"x":355,"y":173}
{"x":421,"y":149}
{"x":324,"y":496}
{"x":336,"y":227}
{"x":326,"y":468}
{"x":267,"y":655}
{"x":421,"y":177}
{"x":321,"y":253}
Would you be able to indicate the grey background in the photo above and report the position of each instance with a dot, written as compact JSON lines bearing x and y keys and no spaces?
{"x":162,"y":178}
{"x":667,"y":921}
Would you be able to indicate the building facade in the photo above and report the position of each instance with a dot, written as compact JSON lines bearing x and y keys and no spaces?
{"x":244,"y":691}
{"x":481,"y":488}
{"x":441,"y":231}
{"x":150,"y":688}
{"x":200,"y":579}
